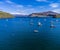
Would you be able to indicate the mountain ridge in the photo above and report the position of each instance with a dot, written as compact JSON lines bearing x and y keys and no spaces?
{"x":45,"y":14}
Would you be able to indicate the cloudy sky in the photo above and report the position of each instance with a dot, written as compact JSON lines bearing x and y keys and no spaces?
{"x":29,"y":6}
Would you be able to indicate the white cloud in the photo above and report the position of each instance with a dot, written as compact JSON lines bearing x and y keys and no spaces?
{"x":56,"y":10}
{"x":14,"y":4}
{"x":18,"y":13}
{"x":24,"y":11}
{"x":14,"y":8}
{"x":54,"y":5}
{"x":10,"y":2}
{"x":41,"y":0}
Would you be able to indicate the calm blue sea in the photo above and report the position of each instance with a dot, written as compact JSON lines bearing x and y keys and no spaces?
{"x":18,"y":34}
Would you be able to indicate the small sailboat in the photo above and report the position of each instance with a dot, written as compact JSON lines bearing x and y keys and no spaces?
{"x":52,"y":26}
{"x":36,"y":31}
{"x":39,"y":23}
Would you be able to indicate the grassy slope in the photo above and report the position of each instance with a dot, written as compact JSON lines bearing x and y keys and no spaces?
{"x":5,"y":15}
{"x":58,"y":16}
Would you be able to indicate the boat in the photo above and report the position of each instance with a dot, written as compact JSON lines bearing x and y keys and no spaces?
{"x":36,"y":31}
{"x":52,"y":26}
{"x":39,"y":23}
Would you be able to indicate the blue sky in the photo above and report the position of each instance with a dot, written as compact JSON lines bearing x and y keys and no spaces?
{"x":29,"y":6}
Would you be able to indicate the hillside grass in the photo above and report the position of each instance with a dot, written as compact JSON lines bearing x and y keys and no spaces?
{"x":5,"y":15}
{"x":58,"y":16}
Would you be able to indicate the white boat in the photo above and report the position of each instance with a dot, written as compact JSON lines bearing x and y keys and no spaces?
{"x":39,"y":23}
{"x":36,"y":31}
{"x":52,"y":26}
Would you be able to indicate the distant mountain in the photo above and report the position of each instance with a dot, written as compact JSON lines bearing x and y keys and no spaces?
{"x":5,"y":15}
{"x":50,"y":12}
{"x":18,"y":15}
{"x":45,"y":14}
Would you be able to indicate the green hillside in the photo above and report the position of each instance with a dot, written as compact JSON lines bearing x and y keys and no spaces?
{"x":5,"y":15}
{"x":58,"y":16}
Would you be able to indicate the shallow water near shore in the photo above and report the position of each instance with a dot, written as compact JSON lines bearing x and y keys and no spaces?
{"x":18,"y":34}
